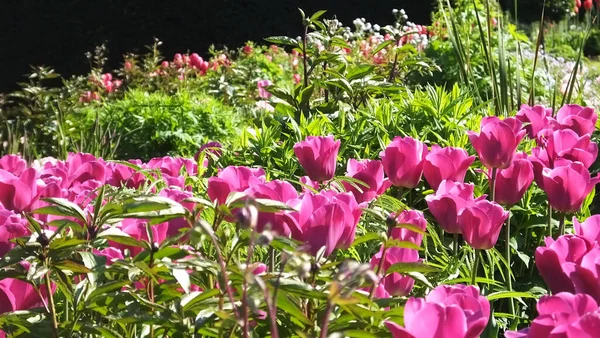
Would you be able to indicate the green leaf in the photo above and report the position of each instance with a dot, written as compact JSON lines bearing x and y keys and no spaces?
{"x":394,"y":243}
{"x":382,"y":45}
{"x":61,"y":207}
{"x":289,"y":307}
{"x":107,"y":288}
{"x":366,"y":238}
{"x":192,"y":301}
{"x":509,"y":294}
{"x":299,"y":288}
{"x":282,"y":40}
{"x":317,"y":15}
{"x":116,"y":235}
{"x":405,"y":267}
{"x":183,"y":278}
{"x":71,"y":265}
{"x":359,"y":71}
{"x":62,"y":243}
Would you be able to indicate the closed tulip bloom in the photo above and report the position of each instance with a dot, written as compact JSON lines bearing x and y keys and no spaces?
{"x":403,"y":161}
{"x":538,"y":117}
{"x":563,"y":315}
{"x":513,"y":182}
{"x":567,"y":186}
{"x":497,"y":141}
{"x":445,"y":204}
{"x":446,"y":164}
{"x":318,"y":156}
{"x":568,"y":145}
{"x":179,"y":196}
{"x":233,"y":179}
{"x":369,"y":172}
{"x":555,"y":261}
{"x":589,"y":229}
{"x":481,"y":222}
{"x":281,"y":222}
{"x":456,"y":311}
{"x":11,"y":226}
{"x":395,"y":284}
{"x":410,"y":217}
{"x":581,"y":120}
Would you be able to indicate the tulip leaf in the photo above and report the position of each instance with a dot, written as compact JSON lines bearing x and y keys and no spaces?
{"x":382,"y":45}
{"x":191,"y":301}
{"x":412,"y":228}
{"x":509,"y":294}
{"x":71,"y":265}
{"x":299,"y":288}
{"x":405,"y":267}
{"x":359,"y":72}
{"x":117,"y":235}
{"x":394,"y":243}
{"x":284,"y":303}
{"x":282,"y":40}
{"x":64,"y":242}
{"x":62,"y":207}
{"x":200,"y":201}
{"x":366,"y":238}
{"x":100,"y":331}
{"x":420,"y":277}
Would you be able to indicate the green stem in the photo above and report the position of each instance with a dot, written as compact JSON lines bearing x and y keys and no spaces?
{"x":549,"y":220}
{"x":51,"y":306}
{"x":493,"y":184}
{"x":378,"y":270}
{"x":325,"y":325}
{"x":304,"y":56}
{"x":508,"y":270}
{"x":475,"y":267}
{"x":455,"y":247}
{"x":561,"y":225}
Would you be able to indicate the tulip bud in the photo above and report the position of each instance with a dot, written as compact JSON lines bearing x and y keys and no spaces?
{"x":248,"y":215}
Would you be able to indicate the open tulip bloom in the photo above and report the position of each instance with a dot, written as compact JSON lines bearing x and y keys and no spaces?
{"x":497,"y":141}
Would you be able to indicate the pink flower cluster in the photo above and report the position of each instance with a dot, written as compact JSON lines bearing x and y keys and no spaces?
{"x":106,"y":84}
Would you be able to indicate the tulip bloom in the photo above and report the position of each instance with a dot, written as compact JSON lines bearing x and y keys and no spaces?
{"x":481,"y":222}
{"x":395,"y":284}
{"x":370,"y":172}
{"x":457,"y":311}
{"x":136,"y":228}
{"x":327,"y":219}
{"x":178,"y":196}
{"x":538,"y":118}
{"x":281,"y":222}
{"x":497,"y":141}
{"x":411,"y":217}
{"x":318,"y":156}
{"x":262,"y":92}
{"x":563,"y":315}
{"x":567,"y":186}
{"x":11,"y":226}
{"x":448,"y":201}
{"x":446,"y":164}
{"x":16,"y":295}
{"x":589,"y":229}
{"x":568,"y":145}
{"x":582,"y":120}
{"x":513,"y":182}
{"x":13,"y":164}
{"x":233,"y":179}
{"x":403,"y":161}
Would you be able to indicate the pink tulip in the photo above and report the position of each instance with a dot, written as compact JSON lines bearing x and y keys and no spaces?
{"x":456,"y":311}
{"x":567,"y":186}
{"x":297,"y":78}
{"x":568,"y":145}
{"x":481,"y":222}
{"x":369,"y":172}
{"x":178,"y":196}
{"x":136,"y":228}
{"x":19,"y":193}
{"x":11,"y":226}
{"x":395,"y":284}
{"x":17,"y":295}
{"x":538,"y":118}
{"x":262,"y":92}
{"x":557,"y":259}
{"x":403,"y":161}
{"x":318,"y":156}
{"x":233,"y":179}
{"x":213,"y":148}
{"x":122,"y":175}
{"x":327,"y":219}
{"x":173,"y":166}
{"x":281,"y":222}
{"x":13,"y":164}
{"x":446,"y":164}
{"x":448,"y":201}
{"x":310,"y":183}
{"x":497,"y":141}
{"x":410,"y":217}
{"x":513,"y":182}
{"x":111,"y":254}
{"x":563,"y":315}
{"x":589,"y":229}
{"x":582,"y":120}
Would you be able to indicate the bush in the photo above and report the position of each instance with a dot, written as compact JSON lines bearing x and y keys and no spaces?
{"x":529,"y":11}
{"x":155,"y":124}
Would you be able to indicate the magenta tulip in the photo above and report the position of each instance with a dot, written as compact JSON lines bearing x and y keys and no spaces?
{"x":318,"y":156}
{"x":446,"y":164}
{"x":395,"y":284}
{"x":555,"y":261}
{"x":497,"y":141}
{"x":233,"y":179}
{"x":281,"y":222}
{"x":403,"y":161}
{"x":409,"y":217}
{"x":173,"y":166}
{"x":538,"y":117}
{"x":11,"y":226}
{"x":567,"y":186}
{"x":179,"y":196}
{"x":369,"y":172}
{"x":563,"y":315}
{"x":18,"y":193}
{"x":213,"y":148}
{"x":16,"y":295}
{"x":481,"y":222}
{"x":448,"y":201}
{"x":309,"y":184}
{"x":589,"y":229}
{"x":513,"y":182}
{"x":111,"y":254}
{"x":136,"y":228}
{"x":14,"y":164}
{"x":568,"y":145}
{"x":262,"y":92}
{"x":582,"y":120}
{"x":456,"y":311}
{"x":327,"y":219}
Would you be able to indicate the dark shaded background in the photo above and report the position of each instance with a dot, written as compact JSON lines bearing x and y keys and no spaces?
{"x":57,"y":33}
